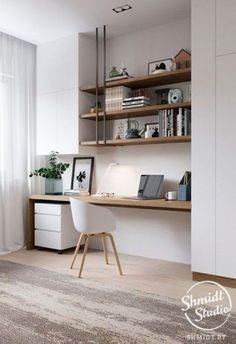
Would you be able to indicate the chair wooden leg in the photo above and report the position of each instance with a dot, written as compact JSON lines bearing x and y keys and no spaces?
{"x":76,"y":250}
{"x":104,"y":248}
{"x":84,"y":254}
{"x":115,"y":253}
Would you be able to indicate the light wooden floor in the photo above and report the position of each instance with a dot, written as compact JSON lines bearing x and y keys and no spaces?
{"x":160,"y":277}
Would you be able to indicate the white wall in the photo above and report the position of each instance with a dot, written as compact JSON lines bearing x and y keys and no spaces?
{"x":148,"y":233}
{"x":137,"y":49}
{"x":155,"y":234}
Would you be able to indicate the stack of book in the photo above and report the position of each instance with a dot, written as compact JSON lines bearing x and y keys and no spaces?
{"x":136,"y":102}
{"x":115,"y":97}
{"x":70,"y":192}
{"x":174,"y":122}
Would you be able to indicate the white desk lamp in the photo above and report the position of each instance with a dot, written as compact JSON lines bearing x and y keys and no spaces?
{"x":98,"y":193}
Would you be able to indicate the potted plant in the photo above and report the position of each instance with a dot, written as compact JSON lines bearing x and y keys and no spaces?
{"x":52,"y":174}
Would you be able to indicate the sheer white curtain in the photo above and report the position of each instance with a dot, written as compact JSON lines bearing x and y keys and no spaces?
{"x":17,"y":136}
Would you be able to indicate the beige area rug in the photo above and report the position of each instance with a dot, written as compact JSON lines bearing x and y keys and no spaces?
{"x":41,"y":307}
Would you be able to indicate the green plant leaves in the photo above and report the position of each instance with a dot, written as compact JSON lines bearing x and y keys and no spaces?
{"x":54,"y":170}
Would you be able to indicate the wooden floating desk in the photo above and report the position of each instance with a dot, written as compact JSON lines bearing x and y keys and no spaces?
{"x":158,"y":204}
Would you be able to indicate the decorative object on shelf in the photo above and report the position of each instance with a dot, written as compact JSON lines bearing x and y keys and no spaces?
{"x":184,"y":189}
{"x":182,"y":59}
{"x":162,"y":96}
{"x":52,"y":174}
{"x":133,"y":124}
{"x":82,"y":174}
{"x":150,"y":129}
{"x":133,"y":134}
{"x":156,"y":67}
{"x":114,"y":72}
{"x":155,"y":134}
{"x":115,"y":75}
{"x":175,"y":96}
{"x":123,"y":70}
{"x":140,"y":92}
{"x":93,"y":108}
{"x":120,"y":129}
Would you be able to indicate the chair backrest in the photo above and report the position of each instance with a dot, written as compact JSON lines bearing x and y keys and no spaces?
{"x":89,"y":218}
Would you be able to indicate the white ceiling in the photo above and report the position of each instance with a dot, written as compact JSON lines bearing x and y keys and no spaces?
{"x":38,"y":21}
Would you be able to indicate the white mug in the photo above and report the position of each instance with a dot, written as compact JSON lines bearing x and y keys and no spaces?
{"x":171,"y":196}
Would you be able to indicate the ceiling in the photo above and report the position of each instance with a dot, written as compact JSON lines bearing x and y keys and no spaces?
{"x":38,"y":21}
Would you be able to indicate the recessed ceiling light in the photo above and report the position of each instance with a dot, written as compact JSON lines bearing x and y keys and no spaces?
{"x":122,"y":8}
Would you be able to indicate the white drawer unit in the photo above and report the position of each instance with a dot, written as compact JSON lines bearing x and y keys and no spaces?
{"x":54,"y":226}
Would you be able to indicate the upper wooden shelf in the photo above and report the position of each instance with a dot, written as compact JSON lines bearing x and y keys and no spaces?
{"x":135,"y":112}
{"x":164,"y":78}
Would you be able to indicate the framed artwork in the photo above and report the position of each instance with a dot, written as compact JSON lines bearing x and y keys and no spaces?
{"x":82,"y":173}
{"x":156,"y":67}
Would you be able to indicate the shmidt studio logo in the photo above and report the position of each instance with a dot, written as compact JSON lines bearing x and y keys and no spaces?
{"x":207,"y":310}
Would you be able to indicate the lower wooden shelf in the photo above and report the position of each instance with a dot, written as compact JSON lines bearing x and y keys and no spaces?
{"x":142,"y":141}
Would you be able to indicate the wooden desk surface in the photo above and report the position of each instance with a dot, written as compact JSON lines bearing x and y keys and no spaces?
{"x":161,"y":204}
{"x":158,"y":204}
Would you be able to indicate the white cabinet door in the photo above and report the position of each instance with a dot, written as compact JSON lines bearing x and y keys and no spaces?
{"x":57,"y":65}
{"x":46,"y":123}
{"x":57,"y":88}
{"x":57,"y":123}
{"x":225,"y":166}
{"x":203,"y":136}
{"x":225,"y":26}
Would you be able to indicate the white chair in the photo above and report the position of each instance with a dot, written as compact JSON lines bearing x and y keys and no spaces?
{"x":93,"y":221}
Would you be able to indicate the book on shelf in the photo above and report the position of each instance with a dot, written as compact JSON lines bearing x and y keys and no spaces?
{"x":115,"y":97}
{"x":140,"y":98}
{"x":134,"y":106}
{"x":174,"y":122}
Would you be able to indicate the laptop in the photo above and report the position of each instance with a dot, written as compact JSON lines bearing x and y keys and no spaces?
{"x":150,"y":187}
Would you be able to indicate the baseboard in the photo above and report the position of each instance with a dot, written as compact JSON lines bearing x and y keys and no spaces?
{"x":225,"y":281}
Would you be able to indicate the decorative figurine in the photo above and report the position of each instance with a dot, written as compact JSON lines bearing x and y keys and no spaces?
{"x":155,"y":134}
{"x":113,"y":73}
{"x":93,"y":108}
{"x":182,"y":59}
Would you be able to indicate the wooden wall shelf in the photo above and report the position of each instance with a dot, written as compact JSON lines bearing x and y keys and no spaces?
{"x":135,"y":112}
{"x":142,"y":141}
{"x":154,"y":80}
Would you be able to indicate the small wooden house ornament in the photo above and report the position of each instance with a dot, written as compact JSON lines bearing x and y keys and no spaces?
{"x":183,"y":59}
